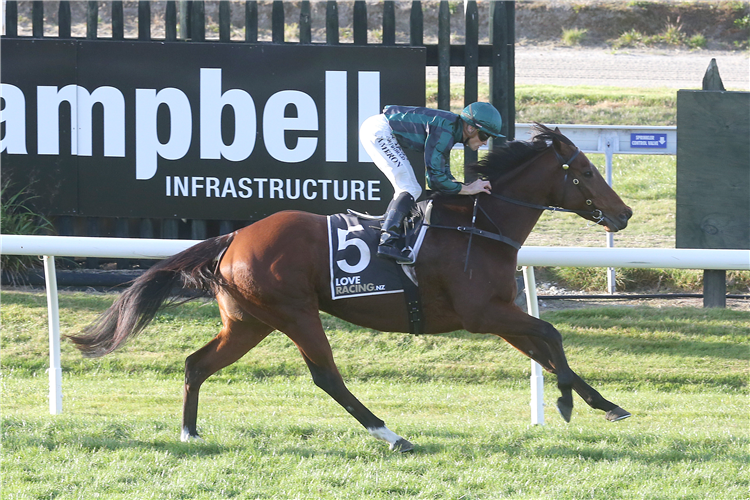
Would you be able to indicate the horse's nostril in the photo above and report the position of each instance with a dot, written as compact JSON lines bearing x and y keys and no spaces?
{"x":626,"y":215}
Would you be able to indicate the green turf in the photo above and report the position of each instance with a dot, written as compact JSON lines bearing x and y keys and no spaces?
{"x":462,"y":399}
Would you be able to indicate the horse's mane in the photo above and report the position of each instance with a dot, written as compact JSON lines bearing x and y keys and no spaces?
{"x":513,"y":154}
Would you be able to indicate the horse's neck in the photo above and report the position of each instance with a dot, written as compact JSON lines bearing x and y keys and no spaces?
{"x":514,"y":221}
{"x":525,"y":184}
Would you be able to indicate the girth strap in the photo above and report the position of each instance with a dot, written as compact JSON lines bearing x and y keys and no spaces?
{"x":413,"y":305}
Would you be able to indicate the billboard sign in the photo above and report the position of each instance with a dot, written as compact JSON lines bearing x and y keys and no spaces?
{"x":199,"y":130}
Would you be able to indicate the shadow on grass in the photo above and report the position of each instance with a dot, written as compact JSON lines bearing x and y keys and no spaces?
{"x":596,"y":447}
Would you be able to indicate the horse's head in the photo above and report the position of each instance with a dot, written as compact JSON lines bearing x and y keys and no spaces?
{"x":582,"y":188}
{"x":551,"y":170}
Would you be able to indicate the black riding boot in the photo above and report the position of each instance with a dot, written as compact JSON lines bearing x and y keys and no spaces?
{"x":393,"y":229}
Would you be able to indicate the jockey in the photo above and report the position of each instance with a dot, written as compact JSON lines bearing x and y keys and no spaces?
{"x":433,"y":132}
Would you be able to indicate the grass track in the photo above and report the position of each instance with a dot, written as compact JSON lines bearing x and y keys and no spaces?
{"x":463,"y":399}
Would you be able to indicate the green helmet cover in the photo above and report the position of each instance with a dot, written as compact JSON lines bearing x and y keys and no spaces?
{"x":484,"y":117}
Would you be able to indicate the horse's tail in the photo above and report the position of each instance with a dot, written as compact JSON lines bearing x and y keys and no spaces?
{"x":195,"y":268}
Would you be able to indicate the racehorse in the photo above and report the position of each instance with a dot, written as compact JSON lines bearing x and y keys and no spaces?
{"x":264,"y":281}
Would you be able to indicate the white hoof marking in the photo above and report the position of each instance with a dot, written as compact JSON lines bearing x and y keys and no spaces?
{"x":385,"y":434}
{"x":185,"y":437}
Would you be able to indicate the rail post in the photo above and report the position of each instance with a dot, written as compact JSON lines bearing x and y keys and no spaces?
{"x":537,"y":376}
{"x":610,"y":144}
{"x":53,"y":319}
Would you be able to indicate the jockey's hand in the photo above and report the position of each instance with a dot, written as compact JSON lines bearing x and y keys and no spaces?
{"x":478,"y":186}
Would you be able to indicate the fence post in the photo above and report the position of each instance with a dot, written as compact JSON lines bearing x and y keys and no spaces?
{"x":63,"y":20}
{"x":118,"y":22}
{"x":714,"y":288}
{"x":11,"y":18}
{"x":225,"y":21}
{"x":170,"y":229}
{"x":714,"y":281}
{"x":66,"y":227}
{"x":251,"y":21}
{"x":471,"y":68}
{"x":389,"y":23}
{"x":416,"y":25}
{"x":198,"y":229}
{"x":198,"y":21}
{"x":185,"y":21}
{"x":277,"y":22}
{"x":332,"y":23}
{"x":305,"y":22}
{"x":359,"y":22}
{"x":170,"y":22}
{"x":37,"y":19}
{"x":226,"y":227}
{"x":92,"y":230}
{"x":146,"y":230}
{"x":122,"y":230}
{"x":502,"y":69}
{"x":144,"y":20}
{"x":92,"y":19}
{"x":444,"y":56}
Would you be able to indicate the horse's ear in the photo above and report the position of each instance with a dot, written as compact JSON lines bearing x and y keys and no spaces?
{"x":556,"y":137}
{"x":558,"y":144}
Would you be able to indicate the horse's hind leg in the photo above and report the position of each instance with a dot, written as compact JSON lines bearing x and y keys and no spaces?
{"x":539,"y":352}
{"x":239,"y":334}
{"x":310,"y":338}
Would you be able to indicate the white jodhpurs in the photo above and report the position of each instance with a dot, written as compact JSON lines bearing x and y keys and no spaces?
{"x":378,"y":140}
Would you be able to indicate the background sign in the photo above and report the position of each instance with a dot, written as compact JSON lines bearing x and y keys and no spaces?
{"x":648,"y":140}
{"x":209,"y":131}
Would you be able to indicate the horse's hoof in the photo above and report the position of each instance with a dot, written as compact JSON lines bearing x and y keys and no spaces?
{"x":186,"y":437}
{"x":192,"y":439}
{"x":402,"y":446}
{"x":616,"y":414}
{"x":566,"y":411}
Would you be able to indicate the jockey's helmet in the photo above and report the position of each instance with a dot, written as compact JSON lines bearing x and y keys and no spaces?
{"x":483,"y":116}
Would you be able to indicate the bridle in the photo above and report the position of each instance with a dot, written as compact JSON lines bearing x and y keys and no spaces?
{"x":595,"y":214}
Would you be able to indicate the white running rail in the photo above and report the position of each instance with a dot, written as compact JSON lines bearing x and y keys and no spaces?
{"x":72,"y":246}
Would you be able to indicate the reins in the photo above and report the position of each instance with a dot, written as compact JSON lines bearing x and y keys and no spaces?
{"x":596,"y":214}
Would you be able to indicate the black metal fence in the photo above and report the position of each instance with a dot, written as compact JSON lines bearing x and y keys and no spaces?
{"x":238,"y":22}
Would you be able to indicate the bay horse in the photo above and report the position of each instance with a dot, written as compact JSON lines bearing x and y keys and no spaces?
{"x":274,"y":275}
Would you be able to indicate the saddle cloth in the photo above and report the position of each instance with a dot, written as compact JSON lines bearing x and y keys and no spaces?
{"x":355,"y":268}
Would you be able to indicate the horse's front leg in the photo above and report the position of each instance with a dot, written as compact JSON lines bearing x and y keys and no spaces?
{"x":539,"y":352}
{"x":508,"y":322}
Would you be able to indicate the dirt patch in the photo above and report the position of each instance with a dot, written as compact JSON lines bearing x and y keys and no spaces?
{"x":605,"y":21}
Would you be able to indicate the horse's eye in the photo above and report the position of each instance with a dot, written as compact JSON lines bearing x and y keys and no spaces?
{"x":588,"y":173}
